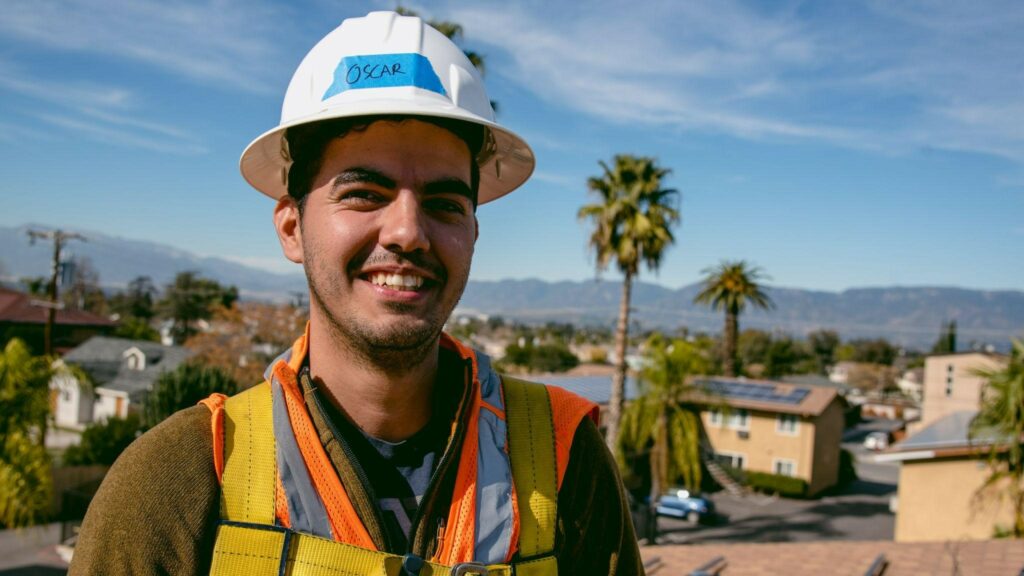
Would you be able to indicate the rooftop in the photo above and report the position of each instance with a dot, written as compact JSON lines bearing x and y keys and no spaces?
{"x":19,"y":308}
{"x":946,"y":436}
{"x":985,"y":557}
{"x":597,"y":388}
{"x":103,"y":359}
{"x":765,"y":395}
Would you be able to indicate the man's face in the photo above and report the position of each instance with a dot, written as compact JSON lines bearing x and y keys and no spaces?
{"x":387,"y":233}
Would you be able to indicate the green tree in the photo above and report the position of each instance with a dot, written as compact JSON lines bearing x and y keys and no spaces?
{"x":103,"y":442}
{"x":182,"y":388}
{"x":632,"y":220}
{"x":191,"y":298}
{"x":1001,"y":415}
{"x":25,"y":483}
{"x":946,"y":343}
{"x":661,"y":420}
{"x":823,"y":344}
{"x":136,"y":301}
{"x":731,"y":286}
{"x":83,"y":292}
{"x":752,"y":347}
{"x":873,"y":351}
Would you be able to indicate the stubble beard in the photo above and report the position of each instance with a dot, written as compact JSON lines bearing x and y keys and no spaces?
{"x":392,"y":349}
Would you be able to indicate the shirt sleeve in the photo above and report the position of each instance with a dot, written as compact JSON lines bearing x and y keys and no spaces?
{"x":595,"y":533}
{"x":156,"y":511}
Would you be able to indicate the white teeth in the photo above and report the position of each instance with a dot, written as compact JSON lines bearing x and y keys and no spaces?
{"x":397,"y":281}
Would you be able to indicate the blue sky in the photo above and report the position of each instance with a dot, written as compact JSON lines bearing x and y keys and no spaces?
{"x":835,"y":144}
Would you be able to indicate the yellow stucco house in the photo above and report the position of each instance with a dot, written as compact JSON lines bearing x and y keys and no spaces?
{"x":774,"y":427}
{"x":940,"y":473}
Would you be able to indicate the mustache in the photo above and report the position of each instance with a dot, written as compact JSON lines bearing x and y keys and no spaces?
{"x":386,"y":258}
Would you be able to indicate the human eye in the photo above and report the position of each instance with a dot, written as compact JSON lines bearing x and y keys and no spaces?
{"x":454,"y":205}
{"x":358,"y":197}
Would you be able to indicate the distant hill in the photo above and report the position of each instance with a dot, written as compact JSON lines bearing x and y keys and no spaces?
{"x":908,"y":316}
{"x":119,"y":260}
{"x":911,"y":316}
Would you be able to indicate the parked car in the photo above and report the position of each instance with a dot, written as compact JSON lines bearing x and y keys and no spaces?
{"x":877,"y":440}
{"x":680,"y":503}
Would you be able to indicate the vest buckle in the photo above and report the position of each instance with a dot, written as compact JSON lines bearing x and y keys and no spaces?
{"x":469,"y":569}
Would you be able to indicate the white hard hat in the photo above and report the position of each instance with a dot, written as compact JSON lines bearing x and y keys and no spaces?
{"x":385,"y":63}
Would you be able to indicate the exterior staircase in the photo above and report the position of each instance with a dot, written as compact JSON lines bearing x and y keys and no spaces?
{"x":721,"y":476}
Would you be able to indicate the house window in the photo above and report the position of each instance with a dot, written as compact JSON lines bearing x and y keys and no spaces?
{"x":739,"y":419}
{"x":784,"y":467}
{"x":949,"y":380}
{"x":715,"y":417}
{"x":731,"y":459}
{"x":787,"y":424}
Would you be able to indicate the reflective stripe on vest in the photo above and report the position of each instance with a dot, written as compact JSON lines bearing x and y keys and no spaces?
{"x":505,"y":516}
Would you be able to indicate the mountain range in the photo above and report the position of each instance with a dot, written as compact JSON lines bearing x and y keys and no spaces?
{"x":910,"y":316}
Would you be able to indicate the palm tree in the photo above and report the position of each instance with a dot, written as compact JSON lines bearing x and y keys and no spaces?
{"x":24,"y":464}
{"x":660,"y":418}
{"x":1001,"y":415}
{"x":731,"y":286}
{"x":633,"y":221}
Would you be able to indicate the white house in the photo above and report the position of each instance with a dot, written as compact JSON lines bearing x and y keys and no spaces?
{"x":121,"y":370}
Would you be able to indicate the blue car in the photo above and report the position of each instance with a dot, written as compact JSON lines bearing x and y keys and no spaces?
{"x":679,"y":503}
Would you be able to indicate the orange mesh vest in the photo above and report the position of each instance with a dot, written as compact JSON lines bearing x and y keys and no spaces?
{"x":302,"y":501}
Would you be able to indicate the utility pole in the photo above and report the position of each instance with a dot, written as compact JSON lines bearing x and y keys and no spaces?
{"x":58,"y":237}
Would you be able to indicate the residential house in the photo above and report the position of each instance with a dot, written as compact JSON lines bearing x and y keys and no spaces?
{"x":121,"y":370}
{"x":775,"y":427}
{"x":762,"y":426}
{"x":941,"y":470}
{"x":24,"y":316}
{"x":951,"y":384}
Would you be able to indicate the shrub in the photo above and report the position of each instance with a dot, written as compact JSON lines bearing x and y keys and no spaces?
{"x":777,"y":484}
{"x":103,"y":442}
{"x":184,"y":388}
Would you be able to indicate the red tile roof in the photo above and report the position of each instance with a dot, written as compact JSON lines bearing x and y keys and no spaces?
{"x":17,"y":308}
{"x":983,"y":558}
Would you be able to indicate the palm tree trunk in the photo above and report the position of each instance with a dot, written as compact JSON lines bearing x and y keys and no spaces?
{"x":659,"y":472}
{"x":731,"y":327}
{"x":617,"y":399}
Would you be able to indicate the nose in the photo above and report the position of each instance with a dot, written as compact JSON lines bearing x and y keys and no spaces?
{"x":403,"y":228}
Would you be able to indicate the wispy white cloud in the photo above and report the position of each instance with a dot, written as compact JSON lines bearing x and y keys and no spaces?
{"x":104,"y":132}
{"x":101,"y":113}
{"x":890,"y":77}
{"x":229,"y":44}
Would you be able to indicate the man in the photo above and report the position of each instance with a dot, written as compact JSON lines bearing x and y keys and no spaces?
{"x":378,"y":444}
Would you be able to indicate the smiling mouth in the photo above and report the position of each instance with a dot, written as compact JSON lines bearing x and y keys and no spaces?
{"x":407,"y":282}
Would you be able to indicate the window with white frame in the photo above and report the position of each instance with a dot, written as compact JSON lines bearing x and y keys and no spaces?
{"x":784,"y":467}
{"x":715,"y":417}
{"x":787,"y":424}
{"x":739,"y":419}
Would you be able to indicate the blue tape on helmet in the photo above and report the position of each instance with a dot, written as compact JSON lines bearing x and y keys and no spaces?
{"x":384,"y":71}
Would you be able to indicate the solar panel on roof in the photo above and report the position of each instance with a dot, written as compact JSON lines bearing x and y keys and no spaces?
{"x":756,"y":392}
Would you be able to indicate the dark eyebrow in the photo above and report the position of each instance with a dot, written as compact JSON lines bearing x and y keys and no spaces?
{"x":359,"y":175}
{"x":449,"y":186}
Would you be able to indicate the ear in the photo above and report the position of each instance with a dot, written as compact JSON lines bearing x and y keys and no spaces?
{"x":288,"y":224}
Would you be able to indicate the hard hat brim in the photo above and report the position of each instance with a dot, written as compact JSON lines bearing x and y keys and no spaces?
{"x":264,"y":163}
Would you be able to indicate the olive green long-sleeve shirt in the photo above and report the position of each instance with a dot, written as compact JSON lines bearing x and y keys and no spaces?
{"x":157,"y":510}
